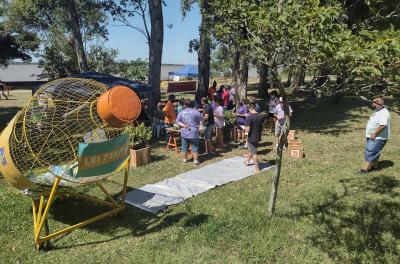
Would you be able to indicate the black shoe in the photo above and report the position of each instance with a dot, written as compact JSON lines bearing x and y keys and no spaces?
{"x":373,"y":169}
{"x":362,"y":172}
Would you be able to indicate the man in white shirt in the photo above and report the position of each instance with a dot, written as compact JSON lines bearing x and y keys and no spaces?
{"x":377,"y":133}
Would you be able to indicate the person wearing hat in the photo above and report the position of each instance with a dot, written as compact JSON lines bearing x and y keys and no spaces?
{"x":280,"y":122}
{"x":377,"y":133}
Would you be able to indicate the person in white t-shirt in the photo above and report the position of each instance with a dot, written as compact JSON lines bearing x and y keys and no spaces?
{"x":377,"y":133}
{"x":273,"y":102}
{"x":279,"y":114}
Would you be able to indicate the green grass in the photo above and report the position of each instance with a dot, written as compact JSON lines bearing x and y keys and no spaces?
{"x":325,"y":213}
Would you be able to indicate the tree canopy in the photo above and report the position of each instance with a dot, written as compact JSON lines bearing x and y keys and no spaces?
{"x":15,"y":43}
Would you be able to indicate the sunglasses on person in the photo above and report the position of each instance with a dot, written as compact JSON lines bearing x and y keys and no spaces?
{"x":376,"y":102}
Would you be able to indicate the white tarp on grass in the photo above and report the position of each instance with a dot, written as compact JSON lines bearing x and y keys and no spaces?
{"x":156,"y":197}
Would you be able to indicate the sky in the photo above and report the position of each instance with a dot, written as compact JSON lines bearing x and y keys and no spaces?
{"x":132,"y":45}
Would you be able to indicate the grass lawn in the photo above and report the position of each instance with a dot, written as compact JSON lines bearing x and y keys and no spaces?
{"x":325,"y":213}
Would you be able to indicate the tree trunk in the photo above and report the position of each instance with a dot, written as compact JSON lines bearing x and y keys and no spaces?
{"x":281,"y":143}
{"x":244,"y":76}
{"x":236,"y":71}
{"x":322,"y":76}
{"x":240,"y":73}
{"x":263,"y":84}
{"x":297,"y":76}
{"x":204,"y":52}
{"x":302,"y":75}
{"x":156,"y":45}
{"x":289,"y":78}
{"x":77,"y":36}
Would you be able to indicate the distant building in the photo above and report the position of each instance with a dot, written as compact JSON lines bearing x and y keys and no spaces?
{"x":28,"y":73}
{"x":22,"y":74}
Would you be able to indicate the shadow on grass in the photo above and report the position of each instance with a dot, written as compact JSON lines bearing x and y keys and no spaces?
{"x":155,"y":157}
{"x":205,"y":157}
{"x":324,"y":117}
{"x":383,"y":164}
{"x":196,"y":220}
{"x":130,"y":222}
{"x":264,"y":151}
{"x":354,"y":227}
{"x":6,"y":114}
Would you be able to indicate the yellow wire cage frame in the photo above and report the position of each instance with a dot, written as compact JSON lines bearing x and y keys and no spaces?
{"x":41,"y":207}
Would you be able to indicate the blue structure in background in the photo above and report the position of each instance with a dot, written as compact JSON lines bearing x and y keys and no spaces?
{"x":189,"y":71}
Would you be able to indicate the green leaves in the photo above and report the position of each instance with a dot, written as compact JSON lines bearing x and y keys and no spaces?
{"x":52,"y":22}
{"x":229,"y":118}
{"x":306,"y":33}
{"x":139,"y":135}
{"x":133,"y":69}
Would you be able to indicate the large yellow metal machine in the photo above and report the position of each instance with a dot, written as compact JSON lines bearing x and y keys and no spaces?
{"x":69,"y":134}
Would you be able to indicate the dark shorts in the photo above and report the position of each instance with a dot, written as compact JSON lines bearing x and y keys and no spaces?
{"x":252,"y":147}
{"x":194,"y":142}
{"x":373,"y":149}
{"x":208,"y":132}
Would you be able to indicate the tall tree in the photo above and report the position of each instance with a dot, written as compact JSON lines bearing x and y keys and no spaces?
{"x":263,"y":83}
{"x":281,"y":34}
{"x":74,"y":25}
{"x":156,"y":45}
{"x":14,"y":43}
{"x":78,"y":22}
{"x":235,"y":35}
{"x":221,"y":60}
{"x":204,"y":48}
{"x":151,"y":16}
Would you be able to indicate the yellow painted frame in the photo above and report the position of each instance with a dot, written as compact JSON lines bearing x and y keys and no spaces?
{"x":40,"y":211}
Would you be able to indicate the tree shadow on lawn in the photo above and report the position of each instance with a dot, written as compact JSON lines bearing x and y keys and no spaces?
{"x":355,"y":229}
{"x":6,"y":114}
{"x":133,"y":221}
{"x":383,"y":164}
{"x":324,"y":117}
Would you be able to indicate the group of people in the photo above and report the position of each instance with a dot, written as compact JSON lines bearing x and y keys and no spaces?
{"x":191,"y":117}
{"x":208,"y":116}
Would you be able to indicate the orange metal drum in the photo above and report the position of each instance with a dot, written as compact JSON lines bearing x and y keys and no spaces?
{"x":119,"y":106}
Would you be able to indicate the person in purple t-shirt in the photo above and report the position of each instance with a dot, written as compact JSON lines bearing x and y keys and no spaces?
{"x":189,"y":121}
{"x":241,"y":113}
